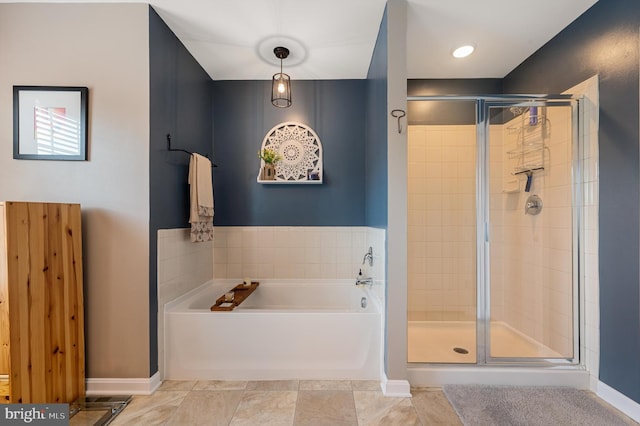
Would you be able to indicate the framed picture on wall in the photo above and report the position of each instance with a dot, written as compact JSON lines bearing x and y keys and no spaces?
{"x":50,"y":122}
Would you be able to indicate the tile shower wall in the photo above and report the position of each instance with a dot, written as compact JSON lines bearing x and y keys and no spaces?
{"x":441,"y":223}
{"x":531,"y":253}
{"x":531,"y":256}
{"x":296,"y":252}
{"x":182,"y":266}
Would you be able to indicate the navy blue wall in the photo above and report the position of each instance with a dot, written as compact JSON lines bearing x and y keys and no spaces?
{"x":243,"y":114}
{"x":447,"y":112}
{"x":604,"y":41}
{"x":179,"y":104}
{"x":376,"y":188}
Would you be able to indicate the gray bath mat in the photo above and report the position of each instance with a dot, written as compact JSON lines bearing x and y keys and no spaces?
{"x":531,"y":406}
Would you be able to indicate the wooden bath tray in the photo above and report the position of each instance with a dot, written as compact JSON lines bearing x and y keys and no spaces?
{"x":240,"y":292}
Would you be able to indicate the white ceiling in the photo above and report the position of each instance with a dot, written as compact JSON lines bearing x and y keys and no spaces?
{"x":506,"y":32}
{"x":334,"y":39}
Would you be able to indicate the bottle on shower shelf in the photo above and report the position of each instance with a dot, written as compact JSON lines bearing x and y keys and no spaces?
{"x":533,"y":116}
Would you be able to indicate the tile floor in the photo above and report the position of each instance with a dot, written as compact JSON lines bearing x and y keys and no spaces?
{"x":289,"y":402}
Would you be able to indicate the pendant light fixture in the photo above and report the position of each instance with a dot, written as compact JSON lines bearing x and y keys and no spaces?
{"x":281,"y":83}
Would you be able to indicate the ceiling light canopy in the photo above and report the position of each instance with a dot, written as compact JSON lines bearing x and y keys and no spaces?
{"x":281,"y":83}
{"x":463,"y":51}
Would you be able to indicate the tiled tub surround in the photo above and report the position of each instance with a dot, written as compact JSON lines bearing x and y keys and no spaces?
{"x":267,"y":252}
{"x":313,"y":252}
{"x":291,"y":251}
{"x":287,"y":329}
{"x":182,"y":266}
{"x":264,"y":253}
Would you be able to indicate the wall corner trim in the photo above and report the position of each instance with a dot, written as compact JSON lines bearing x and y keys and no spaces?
{"x":143,"y":386}
{"x":619,"y":401}
{"x":395,"y":388}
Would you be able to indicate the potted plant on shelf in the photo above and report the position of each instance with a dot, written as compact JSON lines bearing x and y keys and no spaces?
{"x":270,"y":158}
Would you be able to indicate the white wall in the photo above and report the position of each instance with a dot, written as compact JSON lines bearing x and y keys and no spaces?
{"x":103,"y":47}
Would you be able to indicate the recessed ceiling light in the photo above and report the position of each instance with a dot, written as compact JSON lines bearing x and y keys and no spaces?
{"x":463,"y":51}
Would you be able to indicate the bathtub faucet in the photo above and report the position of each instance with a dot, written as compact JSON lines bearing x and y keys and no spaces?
{"x":364,"y":281}
{"x":360,"y":280}
{"x":368,"y":255}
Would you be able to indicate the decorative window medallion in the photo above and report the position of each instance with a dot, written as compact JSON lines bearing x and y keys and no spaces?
{"x":300,"y":152}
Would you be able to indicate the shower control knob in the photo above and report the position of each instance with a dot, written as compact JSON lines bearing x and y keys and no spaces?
{"x":533,"y":205}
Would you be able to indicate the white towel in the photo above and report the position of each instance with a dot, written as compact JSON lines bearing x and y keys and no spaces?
{"x":201,"y":205}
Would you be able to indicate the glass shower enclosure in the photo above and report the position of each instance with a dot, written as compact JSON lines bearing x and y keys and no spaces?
{"x":493,"y":220}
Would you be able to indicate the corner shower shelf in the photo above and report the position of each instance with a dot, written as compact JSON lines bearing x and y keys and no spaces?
{"x":518,"y":127}
{"x":240,"y":293}
{"x":529,"y":150}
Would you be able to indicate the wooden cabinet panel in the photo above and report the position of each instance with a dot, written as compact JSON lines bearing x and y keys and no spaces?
{"x":46,"y":321}
{"x":4,"y":305}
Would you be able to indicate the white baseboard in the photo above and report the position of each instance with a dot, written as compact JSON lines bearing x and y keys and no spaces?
{"x":123,"y":386}
{"x":620,"y":401}
{"x":395,"y":388}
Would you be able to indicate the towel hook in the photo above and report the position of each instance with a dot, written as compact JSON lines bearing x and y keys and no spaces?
{"x":398,"y":113}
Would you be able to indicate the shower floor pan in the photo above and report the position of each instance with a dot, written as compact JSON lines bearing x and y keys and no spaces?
{"x":455,"y":342}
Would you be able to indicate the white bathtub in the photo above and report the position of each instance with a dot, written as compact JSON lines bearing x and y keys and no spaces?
{"x":315,"y":329}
